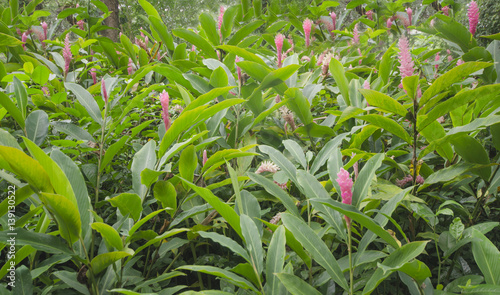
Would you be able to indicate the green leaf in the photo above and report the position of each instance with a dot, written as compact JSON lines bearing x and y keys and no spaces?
{"x":73,"y":131}
{"x":21,"y":96}
{"x":473,"y":152}
{"x":275,"y":260}
{"x":394,"y":262}
{"x":244,"y":32}
{"x":241,"y":52}
{"x":196,"y":40}
{"x":277,"y":77}
{"x":281,"y":161}
{"x":314,"y":245}
{"x":144,"y":158}
{"x":129,"y":48}
{"x":296,"y":151}
{"x":363,"y":183}
{"x":109,"y":234}
{"x":164,"y":192}
{"x":208,"y":97}
{"x":434,"y":132}
{"x":24,"y":282}
{"x":299,"y":105}
{"x":386,"y":65}
{"x":112,"y":151}
{"x":37,"y":126}
{"x":416,"y":269}
{"x":326,"y":152}
{"x":6,"y":139}
{"x":162,"y":31}
{"x":43,"y":242}
{"x":226,"y":242}
{"x":234,"y":279}
{"x":150,"y":10}
{"x":253,"y":243}
{"x":452,"y":76}
{"x":224,"y":209}
{"x":455,"y":32}
{"x":388,"y":124}
{"x":40,"y":75}
{"x":410,"y":85}
{"x":383,"y":101}
{"x":66,"y":214}
{"x":102,"y":261}
{"x":485,"y":289}
{"x":7,"y":103}
{"x":296,"y":286}
{"x":209,"y":26}
{"x":8,"y":40}
{"x":353,"y":213}
{"x":128,"y":204}
{"x":487,"y":257}
{"x":338,"y":73}
{"x":86,"y":100}
{"x":187,"y":163}
{"x":138,"y":224}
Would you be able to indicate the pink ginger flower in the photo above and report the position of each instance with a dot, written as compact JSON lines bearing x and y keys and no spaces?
{"x":81,"y":24}
{"x":420,"y":179}
{"x":130,"y":68}
{"x":68,"y":56}
{"x":267,"y":166}
{"x":44,"y":27}
{"x":334,"y":19}
{"x":366,"y":85}
{"x":24,"y":38}
{"x":142,"y":34}
{"x":165,"y":101}
{"x":345,"y":182}
{"x":221,"y":18}
{"x":279,"y":47}
{"x":355,"y":34}
{"x":277,"y":98}
{"x":193,"y":48}
{"x":238,"y":70}
{"x":307,"y":26}
{"x":389,"y":23}
{"x":405,"y":60}
{"x":360,"y":54}
{"x":473,"y":14}
{"x":460,"y":62}
{"x":446,"y":10}
{"x":369,"y":14}
{"x":410,"y":13}
{"x":104,"y":91}
{"x":403,"y":18}
{"x":326,"y":64}
{"x":205,"y":158}
{"x":437,"y":59}
{"x":321,"y":57}
{"x":93,"y":73}
{"x":45,"y":90}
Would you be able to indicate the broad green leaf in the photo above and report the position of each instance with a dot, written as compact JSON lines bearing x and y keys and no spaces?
{"x":7,"y":139}
{"x":144,"y":158}
{"x":102,"y":261}
{"x":241,"y":52}
{"x":296,"y":286}
{"x":112,"y":151}
{"x":314,"y":245}
{"x":74,"y":131}
{"x":416,"y":269}
{"x":69,"y":278}
{"x":66,"y":215}
{"x":86,"y":100}
{"x":233,"y":278}
{"x":196,"y":40}
{"x":244,"y":32}
{"x":208,"y":97}
{"x":280,"y":160}
{"x":385,"y":65}
{"x":21,"y":96}
{"x":473,"y":152}
{"x":299,"y":105}
{"x":296,"y":151}
{"x":7,"y":103}
{"x":363,"y":183}
{"x":150,"y":10}
{"x":37,"y":126}
{"x":338,"y":73}
{"x":454,"y":31}
{"x":433,"y":132}
{"x":253,"y":243}
{"x":10,"y":41}
{"x":277,"y":77}
{"x":353,"y":213}
{"x":128,"y":204}
{"x":129,"y":48}
{"x":383,"y":101}
{"x":226,"y":242}
{"x":325,"y":153}
{"x":388,"y":124}
{"x":23,"y":281}
{"x":162,"y":31}
{"x":486,"y":289}
{"x":40,"y":75}
{"x":410,"y":85}
{"x":164,"y":192}
{"x":109,"y":234}
{"x":43,"y":242}
{"x":393,"y":262}
{"x":138,"y":224}
{"x":209,"y":26}
{"x":187,"y":163}
{"x":275,"y":260}
{"x":487,"y":257}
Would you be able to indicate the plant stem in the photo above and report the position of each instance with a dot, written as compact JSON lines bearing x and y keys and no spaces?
{"x":349,"y":249}
{"x":193,"y":250}
{"x":101,"y":148}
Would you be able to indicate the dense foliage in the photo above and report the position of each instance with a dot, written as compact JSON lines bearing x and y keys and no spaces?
{"x":274,"y":149}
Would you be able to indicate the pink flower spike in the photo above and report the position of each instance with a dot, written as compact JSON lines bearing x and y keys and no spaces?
{"x":24,"y":38}
{"x":307,"y":26}
{"x":369,"y":14}
{"x":93,"y":73}
{"x":221,"y":18}
{"x":278,"y":40}
{"x":205,"y":158}
{"x":68,"y":56}
{"x":355,"y":34}
{"x":389,"y":23}
{"x":334,"y":19}
{"x":130,"y":68}
{"x":81,"y":24}
{"x":238,"y":70}
{"x":345,"y":182}
{"x":460,"y":62}
{"x":446,"y":10}
{"x":165,"y":101}
{"x":437,"y":59}
{"x":473,"y":14}
{"x":142,"y":34}
{"x":405,"y":60}
{"x":366,"y":85}
{"x":44,"y":27}
{"x":267,"y":166}
{"x":410,"y":13}
{"x":104,"y":91}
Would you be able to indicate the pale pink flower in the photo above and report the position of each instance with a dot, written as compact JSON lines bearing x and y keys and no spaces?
{"x":403,"y":18}
{"x":277,"y":99}
{"x":94,"y":75}
{"x":355,"y":34}
{"x":369,"y":14}
{"x":178,"y":108}
{"x":402,"y":182}
{"x":287,"y":115}
{"x":45,"y":90}
{"x":460,"y":62}
{"x":321,"y":57}
{"x":440,"y":120}
{"x":104,"y":91}
{"x":130,"y":68}
{"x":420,"y":179}
{"x":68,"y":56}
{"x":389,"y":23}
{"x":81,"y":24}
{"x":142,"y":34}
{"x":433,"y":22}
{"x":450,"y":58}
{"x":446,"y":10}
{"x":44,"y":27}
{"x":366,"y":85}
{"x":279,"y":47}
{"x":326,"y":64}
{"x":267,"y":166}
{"x":307,"y":26}
{"x":436,"y":66}
{"x":406,"y":68}
{"x":473,"y":14}
{"x":345,"y":182}
{"x":360,"y":54}
{"x":334,"y":19}
{"x":221,"y":18}
{"x":205,"y":158}
{"x":238,"y":70}
{"x":282,"y":185}
{"x":305,"y":58}
{"x":276,"y":218}
{"x":24,"y":38}
{"x":410,"y":13}
{"x":165,"y":101}
{"x":193,"y":48}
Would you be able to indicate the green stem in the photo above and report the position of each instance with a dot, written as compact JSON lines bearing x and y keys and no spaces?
{"x":349,"y":249}
{"x":101,"y":148}
{"x":193,"y":250}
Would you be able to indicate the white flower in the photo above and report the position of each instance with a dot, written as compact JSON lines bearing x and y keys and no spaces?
{"x":267,"y":166}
